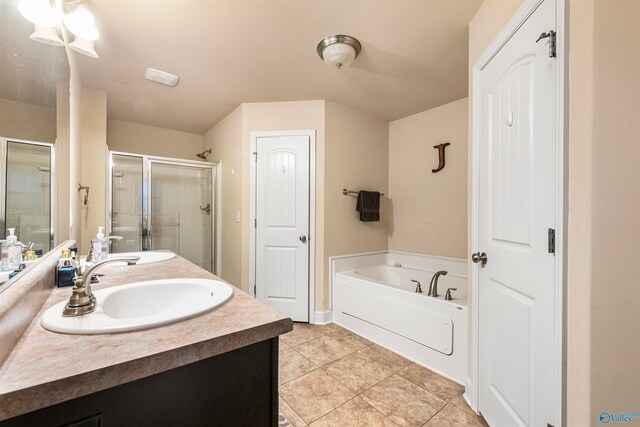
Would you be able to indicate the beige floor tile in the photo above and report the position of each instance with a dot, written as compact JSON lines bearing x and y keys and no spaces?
{"x":314,"y":395}
{"x":462,"y":404}
{"x":282,"y":346}
{"x":302,"y":332}
{"x":332,"y":329}
{"x":292,"y":364}
{"x":403,"y":402}
{"x":357,"y":373}
{"x":435,"y":384}
{"x":290,"y":414}
{"x":323,"y":350}
{"x":451,"y":416}
{"x":355,"y":413}
{"x":384,"y":357}
{"x":350,"y":339}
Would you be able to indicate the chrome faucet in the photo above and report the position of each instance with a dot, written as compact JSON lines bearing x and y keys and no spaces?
{"x":418,"y":287}
{"x":82,"y":300}
{"x":433,"y":286}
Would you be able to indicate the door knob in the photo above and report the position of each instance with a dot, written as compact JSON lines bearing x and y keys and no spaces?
{"x":303,"y":239}
{"x":479,"y":257}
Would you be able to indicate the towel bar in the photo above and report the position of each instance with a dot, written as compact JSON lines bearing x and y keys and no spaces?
{"x":345,"y":192}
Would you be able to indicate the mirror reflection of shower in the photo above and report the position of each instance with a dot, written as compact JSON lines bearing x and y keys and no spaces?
{"x":203,"y":155}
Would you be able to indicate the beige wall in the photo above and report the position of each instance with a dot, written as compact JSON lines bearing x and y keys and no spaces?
{"x":429,"y":210}
{"x":356,"y":157}
{"x":271,"y":116}
{"x":225,"y":139}
{"x":580,"y":205}
{"x":354,"y":135}
{"x":142,"y":139}
{"x":94,"y":163}
{"x":615,"y":302}
{"x":32,"y":122}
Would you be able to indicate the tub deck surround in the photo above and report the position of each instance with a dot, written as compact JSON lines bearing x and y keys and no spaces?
{"x":47,"y":368}
{"x":374,"y":296}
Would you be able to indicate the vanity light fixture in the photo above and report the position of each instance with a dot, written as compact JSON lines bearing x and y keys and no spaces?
{"x":161,"y":77}
{"x":47,"y":17}
{"x":339,"y":51}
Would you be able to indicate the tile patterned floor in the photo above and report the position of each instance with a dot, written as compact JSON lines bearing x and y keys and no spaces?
{"x":332,"y":377}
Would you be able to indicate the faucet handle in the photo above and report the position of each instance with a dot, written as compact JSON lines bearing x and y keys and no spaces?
{"x":418,"y":287}
{"x":447,"y":295}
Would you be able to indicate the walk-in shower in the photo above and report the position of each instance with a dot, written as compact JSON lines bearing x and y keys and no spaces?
{"x":27,"y":191}
{"x":161,"y":203}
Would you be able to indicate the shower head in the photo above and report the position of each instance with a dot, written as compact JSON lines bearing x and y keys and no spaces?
{"x":203,"y":155}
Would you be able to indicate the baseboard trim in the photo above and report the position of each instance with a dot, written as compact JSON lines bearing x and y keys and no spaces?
{"x":322,"y":317}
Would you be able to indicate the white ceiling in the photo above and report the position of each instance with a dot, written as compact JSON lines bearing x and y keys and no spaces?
{"x":414,"y":56}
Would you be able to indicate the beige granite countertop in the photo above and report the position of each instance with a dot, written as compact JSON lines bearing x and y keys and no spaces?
{"x":46,"y":368}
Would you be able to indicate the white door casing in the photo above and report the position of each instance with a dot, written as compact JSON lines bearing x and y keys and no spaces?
{"x":282,"y":223}
{"x":516,"y":207}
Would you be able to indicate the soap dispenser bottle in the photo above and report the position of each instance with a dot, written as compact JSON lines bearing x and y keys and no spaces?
{"x":97,"y":245}
{"x":104,"y":244}
{"x":15,"y":250}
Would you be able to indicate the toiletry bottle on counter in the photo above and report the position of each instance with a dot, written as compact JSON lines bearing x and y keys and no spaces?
{"x":4,"y":255}
{"x":104,"y":244}
{"x":66,"y":270}
{"x":97,"y":245}
{"x":15,"y":250}
{"x":15,"y":272}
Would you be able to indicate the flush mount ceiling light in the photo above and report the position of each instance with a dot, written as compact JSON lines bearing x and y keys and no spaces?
{"x":339,"y":51}
{"x":161,"y":77}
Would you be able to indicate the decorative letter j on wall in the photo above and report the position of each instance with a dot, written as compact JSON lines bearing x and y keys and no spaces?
{"x":441,"y":158}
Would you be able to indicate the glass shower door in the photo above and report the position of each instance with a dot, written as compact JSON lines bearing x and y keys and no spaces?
{"x":28,"y":194}
{"x":127,"y":203}
{"x":181,"y":203}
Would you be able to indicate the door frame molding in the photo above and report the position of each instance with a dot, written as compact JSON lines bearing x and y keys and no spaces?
{"x":253,"y":136}
{"x":561,"y":156}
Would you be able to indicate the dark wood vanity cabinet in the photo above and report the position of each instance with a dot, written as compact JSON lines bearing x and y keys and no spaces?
{"x":234,"y":389}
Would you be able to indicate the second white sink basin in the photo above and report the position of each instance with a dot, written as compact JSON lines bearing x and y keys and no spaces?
{"x":146,"y":257}
{"x":141,"y":305}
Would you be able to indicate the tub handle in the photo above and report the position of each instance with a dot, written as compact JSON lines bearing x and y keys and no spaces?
{"x":418,"y":287}
{"x":447,"y":294}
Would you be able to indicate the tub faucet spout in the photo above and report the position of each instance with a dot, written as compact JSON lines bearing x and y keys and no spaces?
{"x":433,"y":286}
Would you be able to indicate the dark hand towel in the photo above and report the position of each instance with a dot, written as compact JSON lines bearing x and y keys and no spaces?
{"x":368,"y":205}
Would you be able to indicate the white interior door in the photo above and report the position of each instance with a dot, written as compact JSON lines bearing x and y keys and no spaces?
{"x":516,"y":199}
{"x":282,"y":224}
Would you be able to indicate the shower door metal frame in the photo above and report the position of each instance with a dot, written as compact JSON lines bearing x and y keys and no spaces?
{"x":4,"y":152}
{"x":147,"y":161}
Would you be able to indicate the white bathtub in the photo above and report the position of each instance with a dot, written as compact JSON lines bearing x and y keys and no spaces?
{"x":377,"y":299}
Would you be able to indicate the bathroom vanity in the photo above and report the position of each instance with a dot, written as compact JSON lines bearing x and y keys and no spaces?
{"x":220,"y":368}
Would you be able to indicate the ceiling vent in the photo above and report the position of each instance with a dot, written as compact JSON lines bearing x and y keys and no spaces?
{"x":161,"y":77}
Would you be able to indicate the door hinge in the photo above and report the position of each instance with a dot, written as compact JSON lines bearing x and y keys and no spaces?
{"x":255,"y":155}
{"x":551,"y":35}
{"x":551,"y":236}
{"x":254,"y":290}
{"x":255,"y":223}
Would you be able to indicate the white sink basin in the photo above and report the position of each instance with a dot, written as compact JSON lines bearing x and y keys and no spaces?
{"x":141,"y":305}
{"x":146,"y":257}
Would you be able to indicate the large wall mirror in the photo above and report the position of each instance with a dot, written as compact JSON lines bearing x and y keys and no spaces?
{"x":34,"y":123}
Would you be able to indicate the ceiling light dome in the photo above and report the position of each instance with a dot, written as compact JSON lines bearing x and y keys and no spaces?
{"x":39,"y":12}
{"x":339,"y":51}
{"x":82,"y":23}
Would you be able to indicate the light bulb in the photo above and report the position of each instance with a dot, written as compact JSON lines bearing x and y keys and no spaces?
{"x":39,"y":12}
{"x":82,"y":23}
